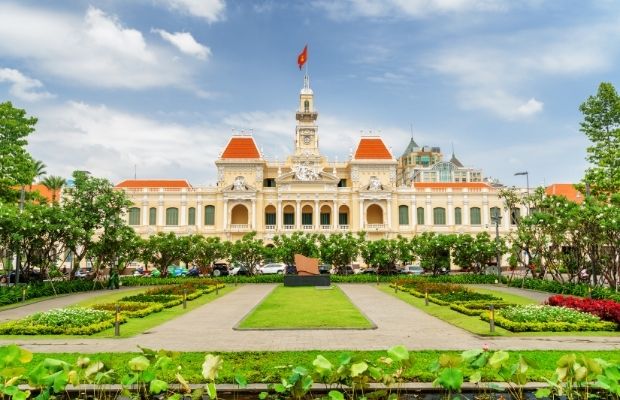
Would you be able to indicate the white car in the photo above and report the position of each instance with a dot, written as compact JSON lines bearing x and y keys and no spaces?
{"x":273,"y":268}
{"x":413,"y":270}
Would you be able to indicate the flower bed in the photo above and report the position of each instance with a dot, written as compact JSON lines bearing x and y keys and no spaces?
{"x":475,"y":308}
{"x":465,"y":296}
{"x":537,"y":318}
{"x":192,"y":292}
{"x":165,"y":300}
{"x":607,"y":310}
{"x":131,"y":309}
{"x":65,"y":321}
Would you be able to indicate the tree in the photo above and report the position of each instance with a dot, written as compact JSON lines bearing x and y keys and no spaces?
{"x":165,"y":250}
{"x":39,"y":170}
{"x":475,"y":253}
{"x":340,"y":249}
{"x":382,"y":254}
{"x":247,"y":252}
{"x":94,"y":206}
{"x":54,"y":184}
{"x":116,"y":248}
{"x":208,"y":250}
{"x":16,"y":165}
{"x":601,"y":124}
{"x":302,"y":243}
{"x":433,"y":250}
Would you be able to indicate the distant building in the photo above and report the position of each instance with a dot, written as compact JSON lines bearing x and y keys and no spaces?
{"x":425,"y":164}
{"x":567,"y":190}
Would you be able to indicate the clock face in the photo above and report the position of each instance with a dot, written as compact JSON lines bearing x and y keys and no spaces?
{"x":307,"y":139}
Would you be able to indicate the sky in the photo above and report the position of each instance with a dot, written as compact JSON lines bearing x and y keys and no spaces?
{"x":156,"y":88}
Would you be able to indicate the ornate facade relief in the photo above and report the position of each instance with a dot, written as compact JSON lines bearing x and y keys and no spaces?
{"x":239,"y":184}
{"x":305,"y":172}
{"x":374,"y":184}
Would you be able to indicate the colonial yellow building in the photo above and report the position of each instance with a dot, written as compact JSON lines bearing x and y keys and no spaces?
{"x":307,"y":192}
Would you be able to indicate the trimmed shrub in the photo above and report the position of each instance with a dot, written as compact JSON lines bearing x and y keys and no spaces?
{"x":64,"y":321}
{"x":165,"y":300}
{"x":475,"y":308}
{"x":131,"y":309}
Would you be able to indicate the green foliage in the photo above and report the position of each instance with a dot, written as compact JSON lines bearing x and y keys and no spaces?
{"x":17,"y":166}
{"x":286,"y":246}
{"x":475,"y":253}
{"x":339,"y":249}
{"x":131,"y":309}
{"x":248,"y":252}
{"x":433,"y":250}
{"x":550,"y":326}
{"x":383,"y":254}
{"x":601,"y":125}
{"x":166,"y":300}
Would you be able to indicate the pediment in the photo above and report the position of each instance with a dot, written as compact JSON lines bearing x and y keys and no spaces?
{"x":319,"y":177}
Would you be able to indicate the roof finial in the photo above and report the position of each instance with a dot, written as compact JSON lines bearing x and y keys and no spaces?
{"x":452,"y":144}
{"x":411,"y":125}
{"x":306,"y":81}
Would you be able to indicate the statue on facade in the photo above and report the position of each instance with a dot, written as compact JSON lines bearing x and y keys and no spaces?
{"x":374,"y":184}
{"x":239,"y":183}
{"x":305,"y":173}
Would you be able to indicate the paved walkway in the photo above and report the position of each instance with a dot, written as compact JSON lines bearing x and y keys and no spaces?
{"x":21,"y":311}
{"x":209,"y":328}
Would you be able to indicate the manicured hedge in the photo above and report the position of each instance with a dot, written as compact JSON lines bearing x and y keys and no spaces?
{"x":607,"y":310}
{"x":549,"y":326}
{"x":475,"y":308}
{"x":131,"y":309}
{"x":67,"y":321}
{"x":13,"y":294}
{"x":165,"y":300}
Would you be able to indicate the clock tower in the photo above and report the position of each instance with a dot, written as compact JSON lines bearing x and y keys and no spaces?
{"x":306,"y":138}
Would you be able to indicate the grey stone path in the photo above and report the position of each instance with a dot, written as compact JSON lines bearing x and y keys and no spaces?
{"x":56,"y":302}
{"x":209,"y":328}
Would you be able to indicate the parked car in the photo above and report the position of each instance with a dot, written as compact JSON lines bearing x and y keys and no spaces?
{"x":272,"y":268}
{"x":346,"y":270}
{"x":176,"y":271}
{"x":290,"y":270}
{"x":219,"y":269}
{"x":413,"y":270}
{"x":239,"y":270}
{"x":324,"y":269}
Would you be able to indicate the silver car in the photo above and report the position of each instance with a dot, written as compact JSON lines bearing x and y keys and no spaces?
{"x":413,"y":270}
{"x":273,"y":268}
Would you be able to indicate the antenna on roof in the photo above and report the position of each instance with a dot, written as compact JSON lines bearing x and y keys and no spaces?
{"x":135,"y":171}
{"x":452,"y":144}
{"x":411,"y":127}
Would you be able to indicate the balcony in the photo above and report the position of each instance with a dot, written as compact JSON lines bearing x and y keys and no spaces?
{"x":307,"y":227}
{"x":326,"y":227}
{"x":343,"y":227}
{"x":375,"y":226}
{"x":239,"y":227}
{"x":288,"y":227}
{"x":270,"y":227}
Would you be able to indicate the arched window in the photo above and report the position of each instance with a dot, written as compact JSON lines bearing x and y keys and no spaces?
{"x":403,"y":215}
{"x":458,"y":219}
{"x":134,"y":216}
{"x":474,"y":216}
{"x":306,"y":106}
{"x":439,"y":216}
{"x":209,"y":215}
{"x":420,"y":214}
{"x":191,"y":216}
{"x":172,"y":216}
{"x":152,"y":216}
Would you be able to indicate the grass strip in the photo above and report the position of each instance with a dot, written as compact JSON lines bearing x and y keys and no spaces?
{"x":267,"y":367}
{"x":305,"y":308}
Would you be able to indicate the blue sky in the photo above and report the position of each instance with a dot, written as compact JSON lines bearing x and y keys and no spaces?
{"x":161,"y":84}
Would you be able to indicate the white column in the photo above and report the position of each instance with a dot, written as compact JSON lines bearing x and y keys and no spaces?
{"x":253,"y":219}
{"x":361,"y":227}
{"x":450,"y":211}
{"x":145,"y":215}
{"x":160,"y":214}
{"x":225,"y":216}
{"x":279,"y":216}
{"x":506,"y":219}
{"x":485,"y":210}
{"x":389,"y":213}
{"x":183,"y":216}
{"x":428,"y":218}
{"x":334,"y":216}
{"x":317,"y":215}
{"x":199,"y":217}
{"x":298,"y":216}
{"x":414,"y":211}
{"x":465,"y":215}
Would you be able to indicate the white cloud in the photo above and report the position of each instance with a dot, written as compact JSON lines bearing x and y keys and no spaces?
{"x":23,"y":87}
{"x":94,"y":49}
{"x":211,"y":10}
{"x":494,"y":74}
{"x":186,"y":43}
{"x":347,"y":9}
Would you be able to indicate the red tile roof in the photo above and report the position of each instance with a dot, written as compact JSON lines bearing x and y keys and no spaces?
{"x":241,"y":147}
{"x":154,"y":183}
{"x":469,"y":185}
{"x":372,"y":149}
{"x":43,"y":191}
{"x":565,"y":189}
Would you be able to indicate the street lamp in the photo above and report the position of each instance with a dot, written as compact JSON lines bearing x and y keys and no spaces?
{"x":527,"y":182}
{"x":18,"y":258}
{"x":497,"y":218}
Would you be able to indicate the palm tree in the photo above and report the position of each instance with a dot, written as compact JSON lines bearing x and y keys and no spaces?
{"x":54,"y":184}
{"x":39,"y":171}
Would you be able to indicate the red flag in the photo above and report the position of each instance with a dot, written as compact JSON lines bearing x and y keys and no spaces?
{"x":302,"y":57}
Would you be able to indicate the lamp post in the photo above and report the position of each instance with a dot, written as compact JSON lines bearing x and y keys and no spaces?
{"x":497,"y":218}
{"x":18,"y":257}
{"x":527,"y":183}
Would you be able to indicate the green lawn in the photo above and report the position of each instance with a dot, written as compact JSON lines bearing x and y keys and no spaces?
{"x":474,"y":324}
{"x":265,"y":367}
{"x":305,"y":308}
{"x":134,"y":326}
